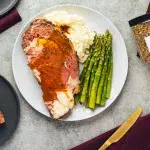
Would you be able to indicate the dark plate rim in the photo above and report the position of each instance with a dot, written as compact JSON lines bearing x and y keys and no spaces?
{"x":18,"y":109}
{"x":9,"y":8}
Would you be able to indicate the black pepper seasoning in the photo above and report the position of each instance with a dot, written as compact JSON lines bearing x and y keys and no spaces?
{"x":141,"y":30}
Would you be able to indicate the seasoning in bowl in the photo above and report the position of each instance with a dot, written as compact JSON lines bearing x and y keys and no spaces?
{"x":141,"y":30}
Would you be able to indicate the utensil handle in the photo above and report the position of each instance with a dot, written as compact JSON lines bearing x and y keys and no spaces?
{"x":105,"y":145}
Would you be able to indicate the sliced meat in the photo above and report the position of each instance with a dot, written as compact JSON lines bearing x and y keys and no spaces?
{"x":65,"y":75}
{"x":2,"y":120}
{"x":53,"y":60}
{"x":71,"y":65}
{"x":39,"y":28}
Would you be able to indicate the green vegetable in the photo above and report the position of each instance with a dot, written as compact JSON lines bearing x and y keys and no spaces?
{"x":86,"y":81}
{"x":76,"y":98}
{"x":91,"y":49}
{"x":99,"y":47}
{"x":109,"y":79}
{"x":96,"y":76}
{"x":101,"y":93}
{"x":103,"y":99}
{"x":92,"y":98}
{"x":82,"y":76}
{"x":85,"y":84}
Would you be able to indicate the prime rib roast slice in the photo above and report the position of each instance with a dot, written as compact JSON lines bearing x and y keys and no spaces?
{"x":2,"y":120}
{"x":54,"y":63}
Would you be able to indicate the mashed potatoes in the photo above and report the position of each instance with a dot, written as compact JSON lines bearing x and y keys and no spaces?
{"x":78,"y":33}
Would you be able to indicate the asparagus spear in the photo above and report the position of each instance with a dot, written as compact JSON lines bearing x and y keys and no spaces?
{"x":76,"y":98}
{"x":91,"y":49}
{"x":91,"y":80}
{"x":97,"y":52}
{"x":84,"y":84}
{"x":92,"y":98}
{"x":103,"y":76}
{"x":103,"y":99}
{"x":86,"y":81}
{"x":93,"y":74}
{"x":109,"y":79}
{"x":107,"y":83}
{"x":101,"y":83}
{"x":95,"y":65}
{"x":85,"y":68}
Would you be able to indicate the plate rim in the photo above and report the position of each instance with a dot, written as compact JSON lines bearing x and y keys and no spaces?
{"x":9,"y":8}
{"x":81,"y":6}
{"x":18,"y":109}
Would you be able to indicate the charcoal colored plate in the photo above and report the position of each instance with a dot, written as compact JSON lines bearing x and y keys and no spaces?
{"x":6,"y":5}
{"x":9,"y":105}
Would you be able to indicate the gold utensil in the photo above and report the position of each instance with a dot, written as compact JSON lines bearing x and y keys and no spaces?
{"x":122,"y":129}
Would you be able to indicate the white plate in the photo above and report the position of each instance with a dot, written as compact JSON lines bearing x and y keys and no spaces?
{"x":28,"y":85}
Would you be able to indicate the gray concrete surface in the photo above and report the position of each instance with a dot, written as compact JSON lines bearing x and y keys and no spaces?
{"x":36,"y":132}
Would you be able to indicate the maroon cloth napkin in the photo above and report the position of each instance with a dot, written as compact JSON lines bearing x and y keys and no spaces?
{"x":9,"y":20}
{"x":138,"y":138}
{"x":148,"y":10}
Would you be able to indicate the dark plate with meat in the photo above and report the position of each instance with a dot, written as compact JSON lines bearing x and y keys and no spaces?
{"x":10,"y":110}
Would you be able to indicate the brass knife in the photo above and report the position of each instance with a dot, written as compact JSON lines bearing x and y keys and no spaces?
{"x":123,"y":129}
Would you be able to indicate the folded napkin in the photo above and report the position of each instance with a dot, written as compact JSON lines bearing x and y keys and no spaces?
{"x":138,"y":138}
{"x":9,"y":20}
{"x":148,"y":10}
